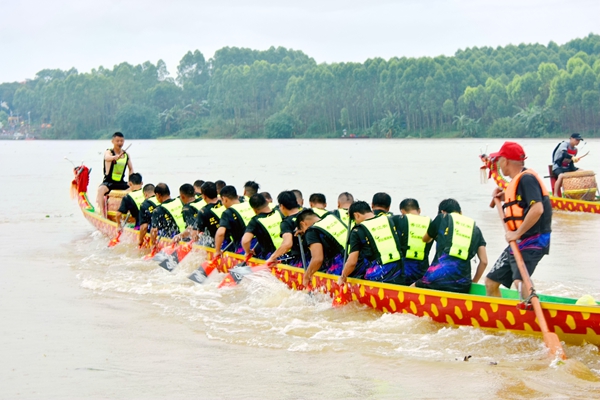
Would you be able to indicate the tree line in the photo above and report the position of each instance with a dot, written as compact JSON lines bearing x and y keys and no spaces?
{"x":529,"y":90}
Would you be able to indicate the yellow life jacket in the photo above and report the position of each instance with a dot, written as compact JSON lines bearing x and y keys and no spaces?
{"x":117,"y":168}
{"x":333,"y":226}
{"x":244,"y":211}
{"x":383,"y":236}
{"x":138,"y":197}
{"x":461,"y":236}
{"x":319,"y":211}
{"x":272,"y":224}
{"x":175,"y":208}
{"x":218,"y":210}
{"x":197,"y":204}
{"x":344,"y":216}
{"x":417,"y":228}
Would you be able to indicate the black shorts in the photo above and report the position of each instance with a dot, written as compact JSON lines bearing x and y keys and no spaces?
{"x":505,"y":270}
{"x":562,"y":170}
{"x":115,"y":185}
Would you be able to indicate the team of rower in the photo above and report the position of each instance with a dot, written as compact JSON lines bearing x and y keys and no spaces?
{"x":358,"y":239}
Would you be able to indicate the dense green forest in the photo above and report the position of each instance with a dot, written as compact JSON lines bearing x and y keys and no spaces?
{"x":529,"y":90}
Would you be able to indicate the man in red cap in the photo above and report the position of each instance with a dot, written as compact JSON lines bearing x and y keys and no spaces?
{"x":528,"y":215}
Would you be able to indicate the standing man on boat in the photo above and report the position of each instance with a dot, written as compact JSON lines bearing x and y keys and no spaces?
{"x":233,"y":222}
{"x":167,"y":218}
{"x":326,"y":240}
{"x":146,"y":209}
{"x":412,"y":226}
{"x":564,"y":159}
{"x":345,"y":200}
{"x":116,"y":161}
{"x":528,"y":215}
{"x":458,"y":240}
{"x":132,"y":202}
{"x":265,"y":226}
{"x":375,"y":252}
{"x":209,"y":215}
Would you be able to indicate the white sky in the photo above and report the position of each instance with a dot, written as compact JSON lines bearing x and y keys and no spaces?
{"x":88,"y":33}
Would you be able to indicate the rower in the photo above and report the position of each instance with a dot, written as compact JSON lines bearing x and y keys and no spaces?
{"x":267,"y":196}
{"x":133,"y":200}
{"x":299,"y":197}
{"x":289,"y":207}
{"x":381,"y":203}
{"x":146,"y":209}
{"x":411,"y":228}
{"x":374,"y":247}
{"x":198,"y":187}
{"x":209,"y":215}
{"x":191,"y":207}
{"x":220,"y":185}
{"x":528,"y":215}
{"x":345,"y":200}
{"x":564,"y":158}
{"x":318,"y":203}
{"x":460,"y":242}
{"x":326,"y":240}
{"x":233,"y":221}
{"x":167,"y":218}
{"x":116,"y":161}
{"x":250,"y":189}
{"x":264,"y":226}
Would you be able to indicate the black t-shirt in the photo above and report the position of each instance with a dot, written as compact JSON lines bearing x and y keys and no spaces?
{"x":161,"y":219}
{"x":361,"y":242}
{"x":129,"y":206}
{"x":235,"y":226}
{"x":146,"y":210}
{"x":441,"y":230}
{"x":288,"y":225}
{"x":262,"y":236}
{"x":207,"y":220}
{"x":190,"y":214}
{"x":402,"y":228}
{"x":331,"y":248}
{"x":528,"y":193}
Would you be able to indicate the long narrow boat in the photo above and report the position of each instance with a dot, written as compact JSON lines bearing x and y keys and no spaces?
{"x":558,"y":203}
{"x":575,"y":324}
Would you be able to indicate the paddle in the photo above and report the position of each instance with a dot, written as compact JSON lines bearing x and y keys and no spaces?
{"x":343,"y":298}
{"x":171,"y":256}
{"x":237,"y":273}
{"x":206,"y":268}
{"x":550,"y":338}
{"x":115,"y":241}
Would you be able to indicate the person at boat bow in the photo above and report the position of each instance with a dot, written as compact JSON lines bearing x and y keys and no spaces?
{"x":564,"y":159}
{"x":326,"y":239}
{"x":233,"y":221}
{"x":146,"y":209}
{"x":289,"y":207}
{"x":458,"y":240}
{"x":132,"y":202}
{"x":167,"y":218}
{"x":345,"y":200}
{"x":265,"y":226}
{"x":318,"y":203}
{"x":412,"y":226}
{"x":375,"y":252}
{"x":116,"y":161}
{"x":209,"y":216}
{"x":528,"y":215}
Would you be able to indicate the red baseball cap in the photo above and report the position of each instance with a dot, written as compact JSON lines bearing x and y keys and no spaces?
{"x":510,"y":151}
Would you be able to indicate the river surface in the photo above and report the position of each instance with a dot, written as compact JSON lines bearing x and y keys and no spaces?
{"x":80,"y":320}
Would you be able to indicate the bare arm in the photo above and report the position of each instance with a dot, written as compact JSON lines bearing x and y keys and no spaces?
{"x":349,"y":267}
{"x":246,"y":242}
{"x":219,"y":239}
{"x":153,"y":236}
{"x":286,"y":245}
{"x":427,"y":238}
{"x":316,"y":260}
{"x":142,"y":234}
{"x":483,"y":262}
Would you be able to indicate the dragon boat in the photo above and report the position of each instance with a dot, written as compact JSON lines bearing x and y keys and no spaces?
{"x":573,"y":323}
{"x":579,"y":193}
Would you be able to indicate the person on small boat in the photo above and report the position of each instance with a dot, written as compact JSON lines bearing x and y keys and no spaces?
{"x":265,"y":226}
{"x":412,"y":226}
{"x":233,"y":221}
{"x":564,"y":159}
{"x":326,"y":240}
{"x":131,"y":202}
{"x":458,"y":240}
{"x":198,"y":187}
{"x":209,"y":216}
{"x":528,"y":215}
{"x":116,"y":161}
{"x":318,"y":203}
{"x":345,"y":200}
{"x":375,"y":252}
{"x":381,"y":203}
{"x":167,"y":218}
{"x":299,"y":197}
{"x":289,"y":207}
{"x":146,"y":210}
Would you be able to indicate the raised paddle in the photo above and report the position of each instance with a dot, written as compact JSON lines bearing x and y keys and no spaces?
{"x":115,"y":241}
{"x":550,"y":338}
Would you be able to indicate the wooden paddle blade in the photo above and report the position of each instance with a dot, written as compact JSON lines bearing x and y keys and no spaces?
{"x":183,"y":251}
{"x":203,"y":272}
{"x":169,"y":262}
{"x":115,"y":241}
{"x":554,"y":345}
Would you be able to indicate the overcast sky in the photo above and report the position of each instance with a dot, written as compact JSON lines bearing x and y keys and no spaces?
{"x":87,"y":33}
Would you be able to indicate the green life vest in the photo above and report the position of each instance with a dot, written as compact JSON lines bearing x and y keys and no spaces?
{"x":218,"y":210}
{"x":380,"y":231}
{"x":175,"y":208}
{"x":333,"y":226}
{"x":344,"y":216}
{"x":244,"y":211}
{"x":197,"y":204}
{"x":138,"y":197}
{"x":117,"y":168}
{"x":417,"y":228}
{"x":462,"y":235}
{"x":319,"y":211}
{"x":272,"y":224}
